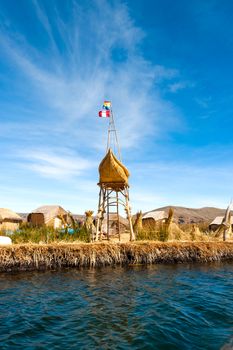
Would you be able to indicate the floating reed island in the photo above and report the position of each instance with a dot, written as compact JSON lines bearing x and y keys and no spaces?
{"x":28,"y":257}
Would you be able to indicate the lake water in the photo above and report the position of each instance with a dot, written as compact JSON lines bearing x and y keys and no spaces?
{"x":156,"y":307}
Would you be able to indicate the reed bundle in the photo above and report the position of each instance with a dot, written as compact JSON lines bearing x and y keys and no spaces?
{"x":52,"y":256}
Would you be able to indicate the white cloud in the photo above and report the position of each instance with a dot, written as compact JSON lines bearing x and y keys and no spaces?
{"x":180,"y":85}
{"x":73,"y":86}
{"x":163,"y":73}
{"x":204,"y":102}
{"x":27,"y":198}
{"x":55,"y":165}
{"x":66,"y":85}
{"x":183,"y":184}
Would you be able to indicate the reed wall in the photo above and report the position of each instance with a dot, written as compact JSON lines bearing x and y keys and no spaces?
{"x":22,"y":257}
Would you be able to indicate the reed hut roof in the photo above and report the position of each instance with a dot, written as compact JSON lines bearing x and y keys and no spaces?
{"x":218,"y":220}
{"x":112,"y":171}
{"x":7,"y":214}
{"x":113,"y":217}
{"x":156,"y":215}
{"x":50,"y":212}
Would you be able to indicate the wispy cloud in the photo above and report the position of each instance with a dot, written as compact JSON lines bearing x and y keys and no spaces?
{"x":204,"y":102}
{"x":55,"y":165}
{"x":163,"y":73}
{"x":180,"y":85}
{"x":73,"y":85}
{"x":60,"y":87}
{"x":182,"y":183}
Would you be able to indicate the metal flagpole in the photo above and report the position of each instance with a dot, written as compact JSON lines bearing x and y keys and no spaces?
{"x":112,"y":136}
{"x":116,"y":138}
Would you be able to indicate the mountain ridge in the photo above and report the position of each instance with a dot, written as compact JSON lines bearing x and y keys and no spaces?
{"x":184,"y":215}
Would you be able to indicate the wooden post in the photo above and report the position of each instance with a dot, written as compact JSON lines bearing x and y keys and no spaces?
{"x":108,"y":215}
{"x":118,"y":218}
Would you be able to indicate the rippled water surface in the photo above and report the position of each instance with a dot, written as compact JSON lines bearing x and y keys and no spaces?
{"x":156,"y":307}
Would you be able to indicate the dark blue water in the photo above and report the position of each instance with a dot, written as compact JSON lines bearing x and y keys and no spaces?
{"x":156,"y":307}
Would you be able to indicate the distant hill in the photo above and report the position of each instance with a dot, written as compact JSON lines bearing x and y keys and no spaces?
{"x":184,"y":215}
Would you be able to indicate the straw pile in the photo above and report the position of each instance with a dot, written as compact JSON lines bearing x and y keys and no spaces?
{"x":53,"y":256}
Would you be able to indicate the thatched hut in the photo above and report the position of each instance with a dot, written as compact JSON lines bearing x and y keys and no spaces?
{"x":113,"y":224}
{"x":49,"y":215}
{"x":217,"y":222}
{"x":154,"y":218}
{"x":9,"y":220}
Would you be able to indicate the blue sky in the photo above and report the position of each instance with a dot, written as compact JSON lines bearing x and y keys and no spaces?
{"x":167,"y":68}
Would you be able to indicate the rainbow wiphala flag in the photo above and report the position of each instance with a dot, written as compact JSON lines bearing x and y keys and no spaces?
{"x":107,"y":105}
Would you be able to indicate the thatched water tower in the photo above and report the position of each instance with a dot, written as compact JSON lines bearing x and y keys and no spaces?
{"x":114,"y":187}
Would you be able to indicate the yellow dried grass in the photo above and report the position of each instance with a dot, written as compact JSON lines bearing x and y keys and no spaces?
{"x":52,"y":256}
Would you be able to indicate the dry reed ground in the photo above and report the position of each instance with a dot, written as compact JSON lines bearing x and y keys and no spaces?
{"x":52,"y":256}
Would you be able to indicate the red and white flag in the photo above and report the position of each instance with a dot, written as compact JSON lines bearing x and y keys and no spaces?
{"x":104,"y":114}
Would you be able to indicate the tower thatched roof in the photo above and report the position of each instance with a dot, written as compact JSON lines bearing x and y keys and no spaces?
{"x":112,"y":171}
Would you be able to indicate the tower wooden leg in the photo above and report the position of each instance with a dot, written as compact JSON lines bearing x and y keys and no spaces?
{"x":118,"y":217}
{"x":105,"y":203}
{"x":97,"y":229}
{"x":108,"y":233}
